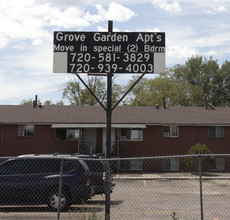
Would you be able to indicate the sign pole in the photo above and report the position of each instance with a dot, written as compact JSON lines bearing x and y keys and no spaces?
{"x":108,"y":134}
{"x":109,"y":104}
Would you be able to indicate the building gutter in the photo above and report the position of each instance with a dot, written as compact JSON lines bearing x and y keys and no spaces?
{"x":188,"y":124}
{"x":97,"y":126}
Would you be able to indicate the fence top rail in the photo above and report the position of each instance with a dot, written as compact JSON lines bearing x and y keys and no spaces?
{"x":126,"y":158}
{"x":167,"y":157}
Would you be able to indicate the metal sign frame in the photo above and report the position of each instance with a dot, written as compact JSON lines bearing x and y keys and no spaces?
{"x":146,"y":52}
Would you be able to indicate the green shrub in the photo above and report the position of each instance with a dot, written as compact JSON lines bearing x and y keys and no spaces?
{"x":206,"y":161}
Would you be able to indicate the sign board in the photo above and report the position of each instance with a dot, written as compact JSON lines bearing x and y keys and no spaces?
{"x":105,"y":52}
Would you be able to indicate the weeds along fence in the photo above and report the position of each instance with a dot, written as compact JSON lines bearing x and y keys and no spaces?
{"x":167,"y":187}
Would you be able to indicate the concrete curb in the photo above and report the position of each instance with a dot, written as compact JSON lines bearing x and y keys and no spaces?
{"x":169,"y":177}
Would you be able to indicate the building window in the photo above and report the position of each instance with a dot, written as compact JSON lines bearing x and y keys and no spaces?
{"x":136,"y":165}
{"x":171,"y":164}
{"x":26,"y":130}
{"x":220,"y":163}
{"x":171,"y":131}
{"x":216,"y":131}
{"x":131,"y":134}
{"x":132,"y":165}
{"x":63,"y":134}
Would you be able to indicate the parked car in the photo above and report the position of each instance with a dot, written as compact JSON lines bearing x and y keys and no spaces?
{"x":97,"y":168}
{"x":98,"y":173}
{"x":35,"y":180}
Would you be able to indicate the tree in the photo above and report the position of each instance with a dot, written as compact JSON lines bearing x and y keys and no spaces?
{"x":199,"y":79}
{"x":132,"y":97}
{"x":150,"y":92}
{"x":77,"y":95}
{"x":27,"y":102}
{"x":222,"y":86}
{"x":47,"y":102}
{"x":201,"y":72}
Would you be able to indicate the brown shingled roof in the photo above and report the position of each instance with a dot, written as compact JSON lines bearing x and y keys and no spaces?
{"x":122,"y":114}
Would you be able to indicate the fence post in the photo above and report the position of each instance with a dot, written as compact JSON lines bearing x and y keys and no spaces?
{"x":201,"y":193}
{"x":60,"y":188}
{"x":107,"y":190}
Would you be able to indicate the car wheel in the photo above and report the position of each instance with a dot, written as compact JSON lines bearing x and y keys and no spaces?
{"x":53,"y":201}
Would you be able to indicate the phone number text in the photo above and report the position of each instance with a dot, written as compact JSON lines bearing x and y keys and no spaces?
{"x":110,"y":63}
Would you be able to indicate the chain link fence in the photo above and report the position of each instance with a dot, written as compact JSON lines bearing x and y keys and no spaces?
{"x":84,"y":188}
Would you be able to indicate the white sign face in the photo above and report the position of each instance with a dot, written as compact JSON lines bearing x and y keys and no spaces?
{"x":104,"y":52}
{"x":60,"y":62}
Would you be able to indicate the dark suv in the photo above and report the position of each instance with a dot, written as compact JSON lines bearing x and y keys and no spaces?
{"x":36,"y":180}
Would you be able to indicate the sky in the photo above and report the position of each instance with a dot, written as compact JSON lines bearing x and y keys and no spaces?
{"x":192,"y":28}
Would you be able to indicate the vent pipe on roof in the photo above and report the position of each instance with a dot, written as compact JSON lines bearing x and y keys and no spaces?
{"x":164,"y":103}
{"x":212,"y":107}
{"x":35,"y":102}
{"x":206,"y":103}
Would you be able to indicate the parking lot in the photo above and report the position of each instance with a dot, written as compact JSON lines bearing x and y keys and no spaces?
{"x":158,"y":199}
{"x":142,"y":198}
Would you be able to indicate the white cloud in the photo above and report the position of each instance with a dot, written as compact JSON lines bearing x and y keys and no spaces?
{"x":102,"y":29}
{"x":211,"y":53}
{"x":22,"y":87}
{"x":69,"y":18}
{"x":217,"y":10}
{"x":95,"y":18}
{"x":67,"y":3}
{"x":217,"y":39}
{"x":37,"y":42}
{"x":213,"y":7}
{"x":118,"y":12}
{"x":167,"y":5}
{"x":115,"y":12}
{"x":32,"y":21}
{"x":195,"y":7}
{"x":178,"y":52}
{"x":3,"y":42}
{"x":17,"y":4}
{"x":29,"y":74}
{"x":18,"y":23}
